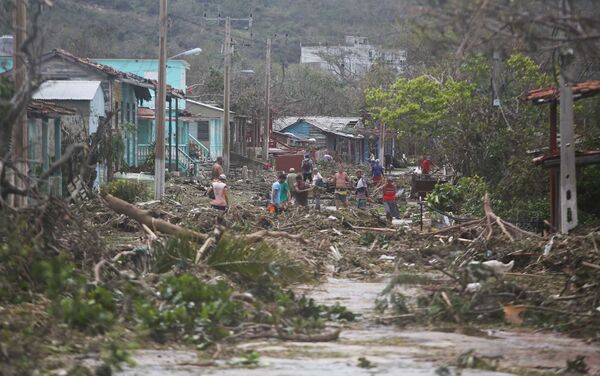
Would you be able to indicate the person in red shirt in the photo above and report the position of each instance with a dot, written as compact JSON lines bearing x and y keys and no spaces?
{"x":426,"y":166}
{"x":389,"y":200}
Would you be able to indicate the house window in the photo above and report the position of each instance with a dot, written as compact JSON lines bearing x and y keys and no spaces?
{"x":203,"y":131}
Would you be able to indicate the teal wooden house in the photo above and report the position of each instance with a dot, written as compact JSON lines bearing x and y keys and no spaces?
{"x":180,"y":146}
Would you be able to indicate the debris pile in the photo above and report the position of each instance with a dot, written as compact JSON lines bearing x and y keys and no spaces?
{"x":493,"y":271}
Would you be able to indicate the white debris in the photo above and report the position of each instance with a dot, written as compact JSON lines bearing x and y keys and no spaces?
{"x":473,"y":287}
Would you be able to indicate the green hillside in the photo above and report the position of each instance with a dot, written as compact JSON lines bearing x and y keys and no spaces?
{"x":124,"y":28}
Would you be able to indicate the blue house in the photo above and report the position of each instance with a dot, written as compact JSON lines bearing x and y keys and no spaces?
{"x":177,"y":130}
{"x":341,"y":136}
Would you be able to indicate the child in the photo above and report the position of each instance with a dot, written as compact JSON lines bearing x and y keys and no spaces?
{"x":361,"y":191}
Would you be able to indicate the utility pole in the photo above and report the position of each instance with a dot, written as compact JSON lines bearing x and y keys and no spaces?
{"x":382,"y":144}
{"x":19,"y":135}
{"x":160,"y":100}
{"x":568,"y":188}
{"x":226,"y":94}
{"x":267,"y":125}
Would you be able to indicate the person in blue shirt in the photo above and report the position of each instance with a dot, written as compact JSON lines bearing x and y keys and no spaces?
{"x":378,"y":172}
{"x":276,"y":192}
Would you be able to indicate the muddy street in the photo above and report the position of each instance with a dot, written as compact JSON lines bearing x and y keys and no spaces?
{"x":387,"y":350}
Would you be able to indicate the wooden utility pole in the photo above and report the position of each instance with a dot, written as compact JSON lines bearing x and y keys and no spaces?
{"x":568,"y":188}
{"x":226,"y":94}
{"x":160,"y":100}
{"x":267,"y":125}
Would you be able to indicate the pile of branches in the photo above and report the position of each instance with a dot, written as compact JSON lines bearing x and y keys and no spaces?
{"x":547,"y":282}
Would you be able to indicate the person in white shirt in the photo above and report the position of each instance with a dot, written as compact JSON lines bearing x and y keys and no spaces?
{"x":319,"y":184}
{"x":219,"y":190}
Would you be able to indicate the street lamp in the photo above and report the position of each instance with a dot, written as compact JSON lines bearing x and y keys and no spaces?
{"x":193,"y":51}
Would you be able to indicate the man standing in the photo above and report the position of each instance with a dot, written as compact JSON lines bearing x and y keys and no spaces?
{"x":426,"y":166}
{"x":276,"y":192}
{"x":291,"y":180}
{"x":389,"y":200}
{"x":307,"y":167}
{"x":302,"y":189}
{"x":361,"y":191}
{"x":378,"y":173}
{"x":217,"y":169}
{"x":341,"y":187}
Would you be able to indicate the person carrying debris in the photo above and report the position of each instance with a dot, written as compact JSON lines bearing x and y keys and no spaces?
{"x":389,"y":200}
{"x":307,"y":167}
{"x":341,"y":180}
{"x":218,"y":193}
{"x":319,"y":185}
{"x":284,"y":194}
{"x":302,"y":188}
{"x":217,"y":169}
{"x":361,"y":191}
{"x":378,"y":173}
{"x":276,"y":192}
{"x":291,"y":180}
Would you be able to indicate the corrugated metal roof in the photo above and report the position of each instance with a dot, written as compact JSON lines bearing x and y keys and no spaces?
{"x":145,"y":113}
{"x":336,"y":125}
{"x":580,"y":90}
{"x":68,"y":90}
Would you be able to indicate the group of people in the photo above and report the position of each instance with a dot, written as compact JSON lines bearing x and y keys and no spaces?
{"x":295,"y":187}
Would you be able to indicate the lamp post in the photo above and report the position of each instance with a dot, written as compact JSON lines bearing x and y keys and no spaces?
{"x":193,"y":51}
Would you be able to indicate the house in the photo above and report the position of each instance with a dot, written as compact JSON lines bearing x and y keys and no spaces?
{"x":354,"y":58}
{"x":176,"y":131}
{"x":341,"y":136}
{"x":123,"y":93}
{"x":85,"y":97}
{"x":44,"y":140}
{"x":206,"y":127}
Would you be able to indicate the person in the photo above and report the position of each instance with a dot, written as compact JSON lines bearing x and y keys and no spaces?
{"x":291,"y":180}
{"x":217,"y":169}
{"x":319,"y":184}
{"x":276,"y":192}
{"x":426,"y":166}
{"x":361,"y":191}
{"x":219,"y":192}
{"x":307,"y":167}
{"x":341,"y":180}
{"x":327,"y":157}
{"x":302,"y":188}
{"x":284,"y":194}
{"x":389,"y":200}
{"x":378,"y":173}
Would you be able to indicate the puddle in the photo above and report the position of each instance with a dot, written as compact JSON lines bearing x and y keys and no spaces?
{"x":393,"y":351}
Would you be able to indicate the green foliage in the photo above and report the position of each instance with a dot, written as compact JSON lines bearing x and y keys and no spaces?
{"x":189,"y":309}
{"x":365,"y":363}
{"x":250,"y":261}
{"x":128,"y":190}
{"x":464,"y":197}
{"x":588,"y":194}
{"x":173,"y":253}
{"x":92,"y":311}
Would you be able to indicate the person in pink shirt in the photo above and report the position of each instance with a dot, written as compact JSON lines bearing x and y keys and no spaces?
{"x":219,"y":190}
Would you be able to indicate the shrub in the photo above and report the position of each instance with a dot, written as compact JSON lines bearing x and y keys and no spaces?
{"x":465,"y":197}
{"x":130,"y":191}
{"x":93,"y":311}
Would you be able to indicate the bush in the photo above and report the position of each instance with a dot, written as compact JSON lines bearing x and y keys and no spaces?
{"x":130,"y":191}
{"x":465,"y":197}
{"x":93,"y":311}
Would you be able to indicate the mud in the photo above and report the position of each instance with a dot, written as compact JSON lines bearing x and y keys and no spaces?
{"x":391,"y":350}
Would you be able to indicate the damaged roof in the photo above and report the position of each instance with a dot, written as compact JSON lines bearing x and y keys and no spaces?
{"x":549,"y":94}
{"x":342,"y":126}
{"x":41,"y":108}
